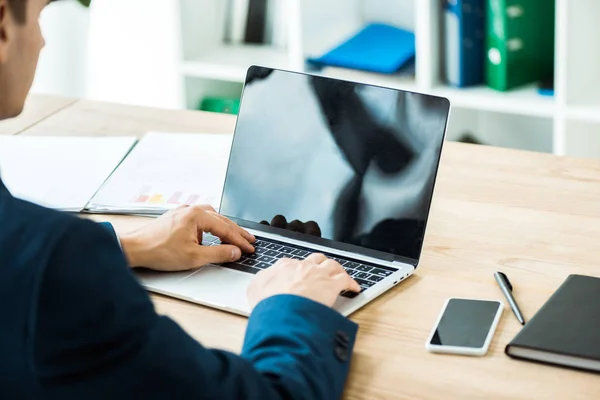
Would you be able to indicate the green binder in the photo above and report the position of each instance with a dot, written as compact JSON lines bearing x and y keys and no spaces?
{"x":519,"y":41}
{"x":220,"y":105}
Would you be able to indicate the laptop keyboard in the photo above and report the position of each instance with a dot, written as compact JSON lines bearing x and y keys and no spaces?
{"x":268,"y":252}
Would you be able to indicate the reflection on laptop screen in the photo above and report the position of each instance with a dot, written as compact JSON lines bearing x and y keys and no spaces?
{"x":356,"y":160}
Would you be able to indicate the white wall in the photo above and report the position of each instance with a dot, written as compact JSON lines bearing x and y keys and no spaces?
{"x":396,"y":12}
{"x":63,"y":62}
{"x":135,"y":53}
{"x":125,"y":51}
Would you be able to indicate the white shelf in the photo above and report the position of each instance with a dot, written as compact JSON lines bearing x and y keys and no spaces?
{"x":230,"y":62}
{"x":584,"y":113}
{"x":566,"y":121}
{"x":521,"y":101}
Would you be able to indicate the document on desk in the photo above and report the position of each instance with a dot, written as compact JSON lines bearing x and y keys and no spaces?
{"x":59,"y":172}
{"x":165,"y":171}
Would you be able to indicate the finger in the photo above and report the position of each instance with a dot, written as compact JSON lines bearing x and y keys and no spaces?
{"x":232,"y":235}
{"x":221,"y":227}
{"x":198,"y":214}
{"x":316,"y":258}
{"x":217,"y":254}
{"x":332,"y":267}
{"x":209,"y":223}
{"x":284,"y":262}
{"x":247,"y":235}
{"x":345,"y":282}
{"x":206,"y":207}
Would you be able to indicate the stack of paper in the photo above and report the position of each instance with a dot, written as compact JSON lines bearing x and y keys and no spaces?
{"x":59,"y":172}
{"x":165,"y":171}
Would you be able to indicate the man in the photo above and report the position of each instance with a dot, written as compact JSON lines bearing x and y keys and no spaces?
{"x":75,"y":324}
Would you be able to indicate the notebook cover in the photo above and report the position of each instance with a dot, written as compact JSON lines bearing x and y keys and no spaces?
{"x":568,"y":323}
{"x":376,"y":48}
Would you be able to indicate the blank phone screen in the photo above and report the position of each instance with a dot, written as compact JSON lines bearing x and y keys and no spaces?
{"x":465,"y":323}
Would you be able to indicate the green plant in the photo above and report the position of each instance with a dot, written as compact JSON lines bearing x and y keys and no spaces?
{"x":85,"y":3}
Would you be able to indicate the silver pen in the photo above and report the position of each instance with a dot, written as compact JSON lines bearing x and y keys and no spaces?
{"x":506,"y":288}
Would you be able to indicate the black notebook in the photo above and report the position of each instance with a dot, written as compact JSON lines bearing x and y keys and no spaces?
{"x":566,"y":330}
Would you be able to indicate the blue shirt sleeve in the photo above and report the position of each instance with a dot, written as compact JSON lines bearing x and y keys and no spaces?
{"x":110,"y":229}
{"x":98,"y":336}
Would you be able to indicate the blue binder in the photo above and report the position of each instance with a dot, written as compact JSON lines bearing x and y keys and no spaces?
{"x":376,"y":48}
{"x":464,"y":42}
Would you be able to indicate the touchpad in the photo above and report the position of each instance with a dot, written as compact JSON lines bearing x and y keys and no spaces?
{"x":160,"y":280}
{"x":221,"y":287}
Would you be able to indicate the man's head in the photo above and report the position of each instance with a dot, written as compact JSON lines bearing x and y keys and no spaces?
{"x":20,"y":44}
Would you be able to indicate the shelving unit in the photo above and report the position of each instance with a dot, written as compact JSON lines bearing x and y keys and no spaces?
{"x":583,"y":139}
{"x":521,"y":101}
{"x":230,"y":62}
{"x":584,"y":113}
{"x":566,"y":123}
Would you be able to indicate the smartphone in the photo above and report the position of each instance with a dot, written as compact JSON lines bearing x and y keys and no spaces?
{"x":465,"y":326}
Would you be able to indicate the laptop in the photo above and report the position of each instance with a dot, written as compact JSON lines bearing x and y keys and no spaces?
{"x":320,"y":165}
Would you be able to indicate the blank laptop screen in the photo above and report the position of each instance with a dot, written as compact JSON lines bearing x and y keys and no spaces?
{"x":341,"y":161}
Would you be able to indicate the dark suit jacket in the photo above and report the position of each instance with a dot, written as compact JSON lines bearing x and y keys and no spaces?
{"x":75,"y":324}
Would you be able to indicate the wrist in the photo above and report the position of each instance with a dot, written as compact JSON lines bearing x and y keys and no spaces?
{"x":134,"y":250}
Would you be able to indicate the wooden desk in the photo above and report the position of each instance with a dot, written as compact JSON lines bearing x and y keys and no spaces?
{"x":89,"y":118}
{"x":37,"y":108}
{"x":534,"y":216}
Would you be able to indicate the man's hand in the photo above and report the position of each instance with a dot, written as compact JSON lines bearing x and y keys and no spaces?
{"x":316,"y":278}
{"x":173,"y":241}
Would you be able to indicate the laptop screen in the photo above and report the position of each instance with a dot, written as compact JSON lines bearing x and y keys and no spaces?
{"x":343,"y":164}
